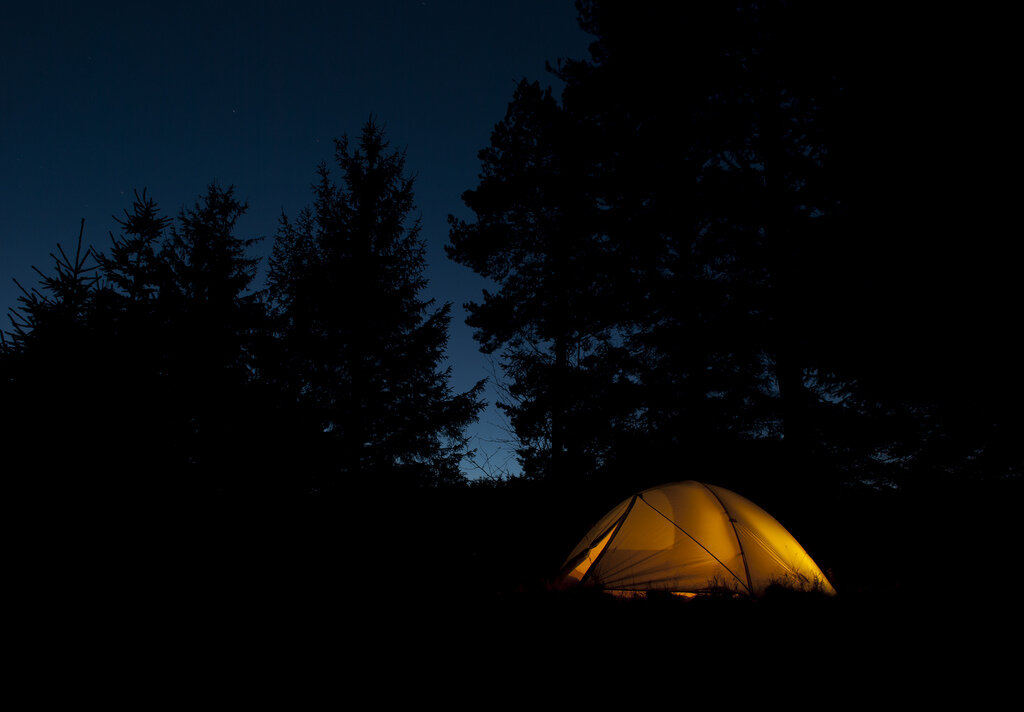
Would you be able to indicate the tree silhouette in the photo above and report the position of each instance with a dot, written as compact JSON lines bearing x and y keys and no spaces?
{"x":553,"y":320}
{"x":363,"y":351}
{"x":61,"y":302}
{"x":131,"y":321}
{"x":133,"y":269}
{"x":696,"y":166}
{"x":213,"y":330}
{"x":716,"y":127}
{"x":50,"y":397}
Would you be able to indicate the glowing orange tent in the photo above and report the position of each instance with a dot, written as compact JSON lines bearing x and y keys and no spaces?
{"x":690,"y":537}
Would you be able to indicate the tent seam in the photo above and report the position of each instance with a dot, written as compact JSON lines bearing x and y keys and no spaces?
{"x":694,"y":540}
{"x":735,"y":532}
{"x":615,"y":531}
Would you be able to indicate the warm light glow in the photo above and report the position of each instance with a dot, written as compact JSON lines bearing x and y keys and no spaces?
{"x":689,"y":537}
{"x":581,"y":569}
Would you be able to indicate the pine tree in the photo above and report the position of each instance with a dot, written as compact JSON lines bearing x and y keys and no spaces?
{"x":133,"y":269}
{"x":702,"y":138}
{"x":62,"y":302}
{"x":214,"y":323}
{"x":133,"y":314}
{"x":363,"y":350}
{"x":554,"y":320}
{"x":714,"y":150}
{"x":50,"y":397}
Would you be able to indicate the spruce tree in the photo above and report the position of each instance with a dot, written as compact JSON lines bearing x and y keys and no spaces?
{"x":52,"y":403}
{"x":214,"y":322}
{"x":362,"y":349}
{"x":700,"y":138}
{"x":714,"y":151}
{"x":132,"y":315}
{"x":554,"y":321}
{"x":132,"y":269}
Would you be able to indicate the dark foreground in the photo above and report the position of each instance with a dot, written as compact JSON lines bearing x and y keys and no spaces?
{"x":408,"y":646}
{"x":415,"y":598}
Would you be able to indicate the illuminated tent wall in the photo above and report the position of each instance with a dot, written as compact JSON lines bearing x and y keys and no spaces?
{"x":690,"y":537}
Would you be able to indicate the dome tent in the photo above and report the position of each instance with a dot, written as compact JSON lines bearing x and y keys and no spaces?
{"x":691,"y":537}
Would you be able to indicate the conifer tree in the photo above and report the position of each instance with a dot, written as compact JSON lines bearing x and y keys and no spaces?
{"x":716,"y":151}
{"x":133,"y":269}
{"x":213,"y":330}
{"x":133,"y":317}
{"x":363,"y":350}
{"x":554,"y":321}
{"x":62,"y":302}
{"x":47,"y":384}
{"x":699,"y":136}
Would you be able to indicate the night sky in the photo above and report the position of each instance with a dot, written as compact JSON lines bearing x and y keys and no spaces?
{"x":100,"y":99}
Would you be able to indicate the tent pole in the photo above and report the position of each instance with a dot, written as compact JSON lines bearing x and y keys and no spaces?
{"x":732,"y":521}
{"x":615,"y":530}
{"x":707,"y":550}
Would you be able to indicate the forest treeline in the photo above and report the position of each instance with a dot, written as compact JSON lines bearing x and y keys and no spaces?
{"x":733,"y":247}
{"x":153,"y":368}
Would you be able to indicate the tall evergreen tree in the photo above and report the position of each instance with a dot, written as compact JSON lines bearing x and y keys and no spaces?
{"x":132,"y":269}
{"x":756,"y":254}
{"x":717,"y":127}
{"x":47,"y":386}
{"x":133,"y":319}
{"x":554,"y":321}
{"x":363,"y":349}
{"x":62,"y":302}
{"x":700,"y":138}
{"x":214,"y":326}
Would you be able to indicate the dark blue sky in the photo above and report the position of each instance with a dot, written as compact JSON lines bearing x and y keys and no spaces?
{"x":100,"y":99}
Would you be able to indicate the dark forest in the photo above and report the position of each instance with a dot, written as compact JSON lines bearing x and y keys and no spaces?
{"x":742,"y":245}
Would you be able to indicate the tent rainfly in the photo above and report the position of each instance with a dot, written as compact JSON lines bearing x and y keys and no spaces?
{"x":690,"y":537}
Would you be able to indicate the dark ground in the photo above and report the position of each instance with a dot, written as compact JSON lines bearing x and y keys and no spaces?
{"x":448,"y":593}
